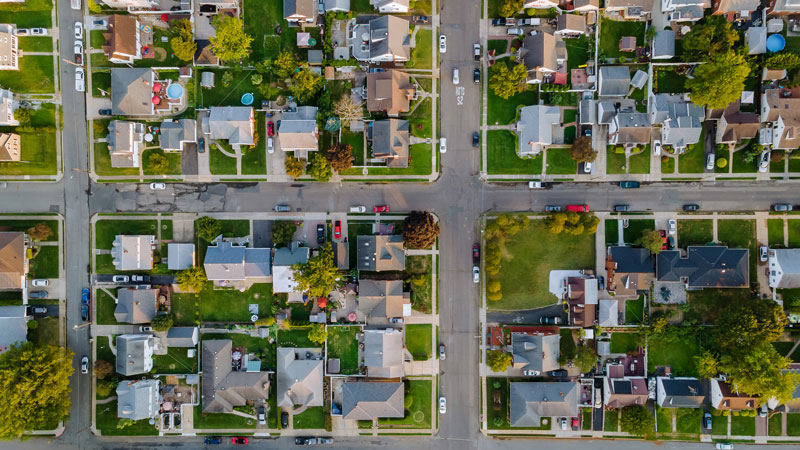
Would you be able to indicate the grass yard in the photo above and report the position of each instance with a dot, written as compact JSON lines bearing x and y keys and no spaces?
{"x":35,"y":43}
{"x":677,"y":354}
{"x":184,"y":308}
{"x":668,"y":82}
{"x":719,"y":425}
{"x":101,"y":82}
{"x":296,"y":337}
{"x":254,"y":159}
{"x":46,"y":333}
{"x":794,"y":162}
{"x":502,"y":111}
{"x":578,"y":52}
{"x":422,"y":53}
{"x":220,"y":163}
{"x":175,"y":362}
{"x":720,"y":153}
{"x":220,"y":95}
{"x":611,"y":31}
{"x":342,"y":344}
{"x":775,"y":232}
{"x":45,"y":263}
{"x":419,"y":162}
{"x":106,"y":421}
{"x":793,"y":424}
{"x":739,"y":166}
{"x":229,"y":305}
{"x":624,"y":342}
{"x":419,"y":414}
{"x":776,"y":425}
{"x":693,"y":161}
{"x":220,"y":420}
{"x":502,"y":158}
{"x":260,"y":22}
{"x":695,"y":232}
{"x":634,"y":311}
{"x":497,"y":412}
{"x":106,"y":230}
{"x":586,"y":419}
{"x":740,"y":234}
{"x":174,"y":160}
{"x":612,"y":232}
{"x":559,"y":162}
{"x":35,"y":75}
{"x":422,"y":295}
{"x":498,"y":45}
{"x":668,"y":166}
{"x":38,"y":154}
{"x":356,"y":141}
{"x":23,"y":225}
{"x":689,"y":420}
{"x":640,"y":162}
{"x":778,"y":166}
{"x":418,"y":341}
{"x":611,"y":420}
{"x":105,"y":307}
{"x":635,"y":229}
{"x":527,"y":258}
{"x":706,"y":304}
{"x":419,"y":123}
{"x":311,"y":418}
{"x":794,"y":233}
{"x":743,"y":426}
{"x":31,"y":13}
{"x":615,"y":162}
{"x":664,"y":419}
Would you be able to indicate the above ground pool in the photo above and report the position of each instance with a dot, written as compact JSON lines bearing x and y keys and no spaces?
{"x":174,"y":91}
{"x":247,"y":99}
{"x":775,"y":43}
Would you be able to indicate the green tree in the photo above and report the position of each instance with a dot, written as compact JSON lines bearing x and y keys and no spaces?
{"x":157,"y":162}
{"x":317,"y":334}
{"x":94,"y":8}
{"x":714,"y":36}
{"x":751,"y":152}
{"x":265,"y":321}
{"x":162,"y":322}
{"x":294,"y":167}
{"x":256,"y":79}
{"x":340,"y":156}
{"x":498,"y":360}
{"x":34,"y":386}
{"x":510,"y":8}
{"x":744,"y":324}
{"x":208,"y":228}
{"x":586,"y":358}
{"x":637,"y":420}
{"x":227,"y":79}
{"x":319,"y":275}
{"x":420,"y":229}
{"x":103,"y":368}
{"x":305,"y":85}
{"x":783,"y":60}
{"x":707,"y":365}
{"x":720,"y":81}
{"x":283,"y":232}
{"x":23,"y":116}
{"x":582,"y":151}
{"x":231,"y":43}
{"x":722,"y":163}
{"x":320,"y":168}
{"x":104,"y":388}
{"x":651,"y":240}
{"x":285,"y":64}
{"x":508,"y":81}
{"x":192,"y":279}
{"x":182,"y":40}
{"x":40,"y":232}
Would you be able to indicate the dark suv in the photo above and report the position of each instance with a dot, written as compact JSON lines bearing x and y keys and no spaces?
{"x":320,"y":234}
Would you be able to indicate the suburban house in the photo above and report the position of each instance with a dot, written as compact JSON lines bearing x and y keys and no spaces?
{"x":535,"y":128}
{"x":131,"y":4}
{"x":298,"y":12}
{"x":684,"y":10}
{"x":135,"y":353}
{"x":784,"y":114}
{"x":540,"y":4}
{"x":227,"y":264}
{"x":133,"y":93}
{"x":176,"y":133}
{"x":783,"y":7}
{"x":664,"y":44}
{"x":381,"y":253}
{"x":629,"y":128}
{"x":133,"y":252}
{"x":337,"y":5}
{"x":733,"y":125}
{"x":390,"y":91}
{"x":10,"y":150}
{"x":680,"y":392}
{"x":793,"y":405}
{"x":542,"y":54}
{"x":224,"y":388}
{"x":613,"y":81}
{"x":585,"y":5}
{"x":536,"y":351}
{"x":235,"y":124}
{"x":530,"y":401}
{"x":682,"y":121}
{"x":784,"y":268}
{"x":724,"y":398}
{"x":735,"y":9}
{"x":630,"y":9}
{"x":570,"y":24}
{"x":182,"y":337}
{"x":609,"y":313}
{"x":384,"y":353}
{"x":138,"y":399}
{"x":298,"y":131}
{"x":300,"y":377}
{"x":380,"y":300}
{"x":629,"y":270}
{"x":368,"y":400}
{"x":123,"y":39}
{"x":13,"y":326}
{"x":581,"y":296}
{"x":125,"y":142}
{"x":13,"y":261}
{"x":9,"y":47}
{"x":7,"y":107}
{"x":621,"y":390}
{"x":181,"y":256}
{"x":756,"y":38}
{"x":389,"y":39}
{"x":390,"y":142}
{"x":715,"y":266}
{"x":135,"y":305}
{"x":392,"y":6}
{"x":282,"y":272}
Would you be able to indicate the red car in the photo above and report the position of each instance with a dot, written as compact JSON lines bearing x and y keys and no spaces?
{"x":663,"y":239}
{"x":578,"y":208}
{"x":270,"y":128}
{"x":575,"y":425}
{"x":337,"y":229}
{"x":382,"y":208}
{"x":239,"y":440}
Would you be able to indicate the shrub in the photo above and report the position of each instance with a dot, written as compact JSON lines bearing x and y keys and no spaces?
{"x":722,"y":163}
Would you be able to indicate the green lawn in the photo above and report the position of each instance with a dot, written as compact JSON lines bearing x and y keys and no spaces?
{"x":45,"y":263}
{"x":695,"y":232}
{"x":502,"y":111}
{"x":743,"y":426}
{"x":220,"y":420}
{"x":689,"y":420}
{"x":356,"y":141}
{"x":220,"y":163}
{"x":35,"y":75}
{"x":260,"y":22}
{"x":36,"y":43}
{"x":615,"y":162}
{"x":706,"y":303}
{"x":419,"y":123}
{"x":794,"y":162}
{"x":38,"y":154}
{"x":668,"y":166}
{"x":101,"y":82}
{"x":793,"y":424}
{"x":31,"y":13}
{"x":679,"y":355}
{"x":502,"y":158}
{"x":775,"y":232}
{"x":173,"y":158}
{"x":497,"y":413}
{"x":46,"y":333}
{"x":419,"y":414}
{"x":775,"y":425}
{"x":719,"y":425}
{"x":578,"y":52}
{"x":635,"y":229}
{"x":418,"y":341}
{"x":254,"y":159}
{"x":611,"y":420}
{"x":23,"y":225}
{"x":184,"y":308}
{"x":624,"y":342}
{"x":422,"y":54}
{"x":105,"y":264}
{"x":419,"y":162}
{"x":586,"y":419}
{"x":220,"y":95}
{"x":794,"y":233}
{"x":175,"y":362}
{"x":422,"y":295}
{"x":612,"y":232}
{"x":611,"y":31}
{"x":311,"y":418}
{"x":106,"y":421}
{"x":741,"y":234}
{"x":634,"y":311}
{"x":342,"y":344}
{"x":720,"y":153}
{"x":640,"y":162}
{"x":527,"y":258}
{"x":498,"y":45}
{"x":778,"y":166}
{"x":105,"y":307}
{"x":738,"y":163}
{"x":296,"y":337}
{"x":559,"y":162}
{"x":106,"y":230}
{"x":693,"y":161}
{"x":669,"y":82}
{"x":229,"y":305}
{"x":664,"y":419}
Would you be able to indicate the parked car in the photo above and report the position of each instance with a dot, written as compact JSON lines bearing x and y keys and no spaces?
{"x":85,"y":312}
{"x":270,"y":146}
{"x":710,"y":158}
{"x":476,"y":76}
{"x":442,"y":145}
{"x":37,"y":294}
{"x":77,"y":49}
{"x":140,"y":278}
{"x":85,"y":365}
{"x":628,"y":184}
{"x":40,"y":282}
{"x":262,"y":416}
{"x":672,"y":226}
{"x":690,"y":208}
{"x":239,"y":440}
{"x":442,"y":405}
{"x":555,"y":320}
{"x":320,"y":233}
{"x":455,"y":76}
{"x":498,"y":22}
{"x":670,"y":243}
{"x":381,"y":209}
{"x":145,"y":329}
{"x":476,"y":51}
{"x":575,"y":424}
{"x":270,"y":128}
{"x":85,"y":296}
{"x":622,"y":208}
{"x":38,"y":310}
{"x":560,"y":373}
{"x":515,"y":32}
{"x":104,"y":112}
{"x":420,"y":19}
{"x":578,"y":208}
{"x":337,"y":229}
{"x":707,"y":421}
{"x":201,"y":143}
{"x":476,"y":274}
{"x":442,"y":43}
{"x":22,"y":32}
{"x":531,"y":373}
{"x":724,"y":446}
{"x":100,"y":24}
{"x":442,"y":355}
{"x":476,"y":139}
{"x":563,"y":424}
{"x":663,"y":234}
{"x":476,"y":254}
{"x":358,"y":209}
{"x":325,"y":440}
{"x":120,"y":279}
{"x":284,"y":420}
{"x":80,"y":79}
{"x":535,"y":185}
{"x":396,"y":320}
{"x":587,"y":167}
{"x":158,"y":186}
{"x":282,"y":208}
{"x":37,"y":31}
{"x":656,"y":147}
{"x":601,"y":282}
{"x":305,"y":440}
{"x":213,"y":440}
{"x":552,"y":208}
{"x":763,"y":253}
{"x":78,"y":30}
{"x":763,"y":411}
{"x":763,"y":161}
{"x":781,"y":207}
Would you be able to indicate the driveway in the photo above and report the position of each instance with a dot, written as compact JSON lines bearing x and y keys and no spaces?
{"x":262,"y":233}
{"x":154,"y":279}
{"x":52,"y":311}
{"x":529,"y":316}
{"x":189,"y":159}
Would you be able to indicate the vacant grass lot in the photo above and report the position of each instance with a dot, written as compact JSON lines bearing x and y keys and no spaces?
{"x":611,"y":31}
{"x":559,"y":162}
{"x":679,"y":355}
{"x":418,"y":341}
{"x":422,"y":55}
{"x":31,"y":13}
{"x":342,"y":344}
{"x":23,"y":225}
{"x":775,"y":232}
{"x":695,"y":232}
{"x":418,"y":415}
{"x":502,"y":111}
{"x":502,"y":156}
{"x":35,"y":75}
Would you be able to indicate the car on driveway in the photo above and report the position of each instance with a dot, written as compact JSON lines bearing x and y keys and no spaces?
{"x":37,"y":294}
{"x":782,"y":207}
{"x":656,"y":147}
{"x":672,"y":226}
{"x":587,"y":167}
{"x":85,"y":365}
{"x":601,"y":282}
{"x":100,"y":24}
{"x":270,"y":146}
{"x":670,"y":243}
{"x":707,"y":421}
{"x":284,"y":420}
{"x":140,"y":278}
{"x":38,"y":310}
{"x":320,"y":233}
{"x":201,"y":143}
{"x":710,"y":158}
{"x":85,"y":296}
{"x":40,"y":282}
{"x":476,"y":274}
{"x":563,"y":424}
{"x":104,"y":112}
{"x":38,"y":31}
{"x":145,"y":329}
{"x":663,"y":239}
{"x":690,"y":208}
{"x":763,"y":253}
{"x":575,"y":424}
{"x":158,"y":186}
{"x":763,"y":161}
{"x":442,"y":355}
{"x":78,"y":30}
{"x":381,"y":209}
{"x":442,"y":43}
{"x":337,"y":229}
{"x":120,"y":279}
{"x":262,"y":416}
{"x":560,"y":373}
{"x":270,"y":128}
{"x":442,"y":405}
{"x":420,"y":19}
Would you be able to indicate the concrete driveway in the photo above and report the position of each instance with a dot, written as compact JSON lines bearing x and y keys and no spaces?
{"x":529,"y":316}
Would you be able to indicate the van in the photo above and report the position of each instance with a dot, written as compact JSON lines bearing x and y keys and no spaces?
{"x":442,"y":145}
{"x":270,"y":146}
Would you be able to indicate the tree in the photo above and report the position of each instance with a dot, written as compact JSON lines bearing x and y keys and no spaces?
{"x":265,"y":321}
{"x":182,"y":41}
{"x":283,"y":232}
{"x":494,"y":286}
{"x":192,"y":279}
{"x":341,"y":157}
{"x":571,"y":223}
{"x":319,"y":275}
{"x":498,"y":360}
{"x":162,"y":322}
{"x":305,"y":85}
{"x":720,"y":81}
{"x":317,"y":334}
{"x":208,"y":228}
{"x":320,"y":168}
{"x":510,"y":8}
{"x":637,"y":420}
{"x":722,"y":163}
{"x":256,"y":79}
{"x":582,"y":150}
{"x":34,"y":386}
{"x":294,"y":167}
{"x":227,"y":79}
{"x":784,"y":60}
{"x":23,"y":116}
{"x":586,"y":358}
{"x":494,"y":296}
{"x":651,"y":240}
{"x":508,"y":81}
{"x":94,"y":8}
{"x":285,"y":64}
{"x":104,"y":388}
{"x":420,"y":230}
{"x":231,"y":43}
{"x":707,"y":365}
{"x":713,"y":37}
{"x":103,"y":368}
{"x":348,"y":109}
{"x":159,"y":164}
{"x":40,"y":232}
{"x":751,"y":152}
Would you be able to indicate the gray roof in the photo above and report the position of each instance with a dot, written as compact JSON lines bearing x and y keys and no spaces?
{"x":390,"y":141}
{"x":225,"y":261}
{"x":222,"y":387}
{"x":530,"y":401}
{"x":134,"y":354}
{"x":136,"y":305}
{"x":182,"y":337}
{"x":389,"y":35}
{"x":138,"y":400}
{"x":381,"y":298}
{"x":132,"y":92}
{"x":614,"y":80}
{"x":639,"y":79}
{"x":682,"y":119}
{"x":377,"y":253}
{"x":680,"y":392}
{"x":784,"y":268}
{"x":303,"y":8}
{"x":756,"y":40}
{"x":535,"y":126}
{"x":371,"y":400}
{"x":689,"y":12}
{"x":609,"y":313}
{"x":537,"y":51}
{"x":337,"y":5}
{"x":13,"y":326}
{"x":632,"y":260}
{"x":298,"y":129}
{"x":124,"y":141}
{"x":664,"y":44}
{"x":706,"y":266}
{"x":174,"y":133}
{"x":181,"y":256}
{"x":289,"y":256}
{"x":232,"y":123}
{"x":587,"y":110}
{"x":383,"y":353}
{"x":682,"y":131}
{"x":299,"y":380}
{"x":535,"y":352}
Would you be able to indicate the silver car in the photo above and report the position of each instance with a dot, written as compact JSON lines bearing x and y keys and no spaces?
{"x":476,"y":274}
{"x":763,"y":161}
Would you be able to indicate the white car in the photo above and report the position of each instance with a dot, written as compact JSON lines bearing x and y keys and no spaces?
{"x":270,"y":146}
{"x":442,"y":405}
{"x":672,"y":226}
{"x":442,"y":43}
{"x":563,"y":424}
{"x":145,"y":329}
{"x":656,"y":147}
{"x":724,"y":446}
{"x":39,"y":282}
{"x":476,"y":274}
{"x":763,"y":255}
{"x":158,"y":186}
{"x":78,"y":30}
{"x":531,"y":373}
{"x":535,"y":185}
{"x":358,"y":209}
{"x":75,"y":4}
{"x":710,"y":161}
{"x":80,"y":79}
{"x":587,"y":167}
{"x":77,"y":49}
{"x":763,"y":161}
{"x":38,"y":31}
{"x":120,"y":279}
{"x":455,"y":76}
{"x":443,"y":145}
{"x":85,"y":365}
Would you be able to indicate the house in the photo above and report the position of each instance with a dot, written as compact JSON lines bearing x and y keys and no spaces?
{"x":135,"y":353}
{"x":381,"y":253}
{"x":123,"y":39}
{"x":337,"y":5}
{"x":10,"y":150}
{"x":13,"y":326}
{"x":663,"y":45}
{"x":283,"y":273}
{"x":133,"y":252}
{"x":383,"y":299}
{"x":235,"y":124}
{"x":680,"y":392}
{"x":300,"y":377}
{"x":392,"y":6}
{"x":542,"y":54}
{"x":181,"y":256}
{"x":136,"y":305}
{"x":176,"y":133}
{"x":138,"y":399}
{"x":724,"y":397}
{"x":681,"y":120}
{"x":384,"y":353}
{"x":535,"y":128}
{"x":621,"y":390}
{"x":298,"y":131}
{"x":793,"y":404}
{"x":182,"y":337}
{"x":226,"y":263}
{"x":756,"y":38}
{"x":734,"y":126}
{"x":132,"y":92}
{"x":784,"y":114}
{"x":368,"y":400}
{"x":629,"y":128}
{"x":390,"y":142}
{"x":224,"y":388}
{"x":586,"y":5}
{"x":609,"y":313}
{"x":537,"y":351}
{"x":530,"y":401}
{"x":715,"y":266}
{"x":782,"y":8}
{"x":7,"y":107}
{"x":684,"y":10}
{"x":639,"y":79}
{"x":389,"y":40}
{"x":629,"y":270}
{"x":784,"y":268}
{"x":571,"y":24}
{"x":540,"y":4}
{"x":581,"y":298}
{"x":390,"y":91}
{"x":9,"y":47}
{"x":125,"y":142}
{"x":630,"y":9}
{"x":735,"y":9}
{"x":13,"y":261}
{"x":131,"y":4}
{"x":613,"y":81}
{"x":300,"y":11}
{"x":627,"y":44}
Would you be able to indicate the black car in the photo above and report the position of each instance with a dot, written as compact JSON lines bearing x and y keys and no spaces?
{"x":213,"y":440}
{"x":601,"y":282}
{"x":498,"y":22}
{"x":670,"y":243}
{"x":622,"y":208}
{"x":561,"y":373}
{"x":201,"y":145}
{"x":476,"y":76}
{"x":284,"y":420}
{"x":320,"y":233}
{"x":476,"y":139}
{"x":552,"y":208}
{"x":690,"y":208}
{"x":305,"y":440}
{"x":85,"y":312}
{"x":104,"y":112}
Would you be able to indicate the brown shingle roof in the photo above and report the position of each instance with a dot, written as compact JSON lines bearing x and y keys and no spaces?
{"x":9,"y":147}
{"x":389,"y":91}
{"x":12,"y":260}
{"x":120,"y":37}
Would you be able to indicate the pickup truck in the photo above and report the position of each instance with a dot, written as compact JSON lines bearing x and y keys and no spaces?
{"x":477,"y":51}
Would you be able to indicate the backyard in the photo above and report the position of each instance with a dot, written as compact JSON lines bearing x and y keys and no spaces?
{"x":611,"y":31}
{"x":175,"y":361}
{"x":634,"y":311}
{"x":678,"y":354}
{"x":624,"y":342}
{"x":230,"y":305}
{"x":342,"y":344}
{"x":668,"y":81}
{"x":418,"y":341}
{"x":502,"y":158}
{"x":636,"y":227}
{"x":106,"y":230}
{"x":107,"y":421}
